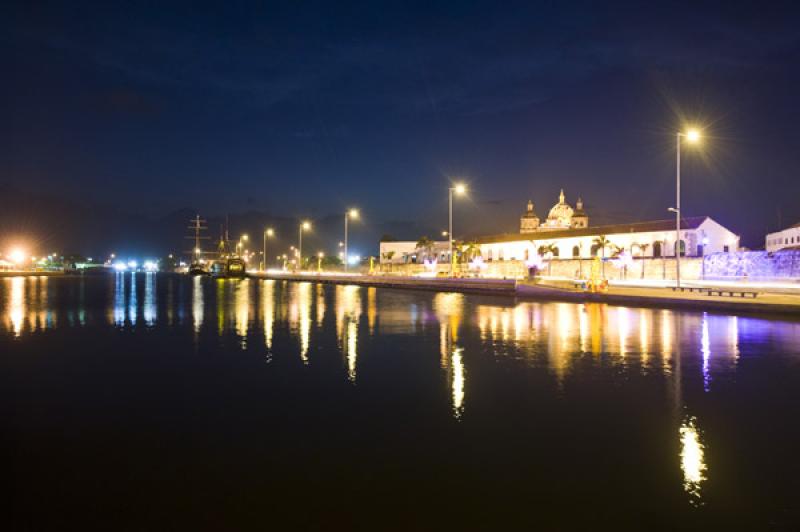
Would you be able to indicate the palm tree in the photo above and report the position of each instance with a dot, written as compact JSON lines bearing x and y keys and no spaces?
{"x":642,"y":250}
{"x":602,"y":242}
{"x":552,"y":249}
{"x":388,"y":256}
{"x":426,"y":245}
{"x":470,"y":250}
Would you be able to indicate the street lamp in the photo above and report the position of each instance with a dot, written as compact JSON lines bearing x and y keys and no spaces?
{"x":240,"y":244}
{"x":304,"y":226}
{"x":692,"y":136}
{"x":320,"y":255}
{"x":267,"y":232}
{"x":352,"y":213}
{"x":459,"y":189}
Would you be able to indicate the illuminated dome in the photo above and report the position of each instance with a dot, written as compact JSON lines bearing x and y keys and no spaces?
{"x":561,"y":213}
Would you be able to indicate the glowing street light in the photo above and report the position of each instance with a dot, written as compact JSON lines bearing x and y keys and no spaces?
{"x":460,"y":189}
{"x":304,"y":226}
{"x":692,"y":136}
{"x":320,"y":256}
{"x":17,"y":256}
{"x":240,"y":244}
{"x":268,"y":232}
{"x":352,"y":213}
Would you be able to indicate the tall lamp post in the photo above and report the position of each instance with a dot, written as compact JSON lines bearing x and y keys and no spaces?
{"x":692,"y":136}
{"x":304,"y":226}
{"x":352,"y":213}
{"x":267,"y":232}
{"x":240,"y":245}
{"x":459,"y":189}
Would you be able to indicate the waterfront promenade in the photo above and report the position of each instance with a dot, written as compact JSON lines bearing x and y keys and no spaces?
{"x":769,"y":300}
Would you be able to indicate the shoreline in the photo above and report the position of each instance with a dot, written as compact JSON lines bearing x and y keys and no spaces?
{"x":30,"y":274}
{"x":765,"y":303}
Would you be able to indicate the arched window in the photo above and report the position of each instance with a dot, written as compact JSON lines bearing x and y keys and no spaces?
{"x":555,"y":252}
{"x":683,"y":248}
{"x":595,"y":249}
{"x":576,"y":251}
{"x":489,"y":254}
{"x":656,"y":249}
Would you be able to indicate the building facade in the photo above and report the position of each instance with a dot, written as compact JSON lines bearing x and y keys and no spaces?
{"x":699,"y":236}
{"x":408,"y":252}
{"x":566,"y":234}
{"x":787,"y":238}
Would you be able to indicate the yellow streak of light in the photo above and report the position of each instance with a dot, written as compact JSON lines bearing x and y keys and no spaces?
{"x":692,"y":458}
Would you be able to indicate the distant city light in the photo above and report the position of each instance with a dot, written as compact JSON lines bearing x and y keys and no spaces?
{"x":150,"y":266}
{"x":17,"y":256}
{"x":132,"y":264}
{"x":120,"y":266}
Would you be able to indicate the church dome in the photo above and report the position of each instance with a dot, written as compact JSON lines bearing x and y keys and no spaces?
{"x":561,"y":213}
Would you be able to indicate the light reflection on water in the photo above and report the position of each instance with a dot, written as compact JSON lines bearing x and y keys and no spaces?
{"x":693,"y":463}
{"x":686,"y":351}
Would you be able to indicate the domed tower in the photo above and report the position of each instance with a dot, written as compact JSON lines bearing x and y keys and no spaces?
{"x":529,"y":223}
{"x":579,"y":218}
{"x":560,"y":216}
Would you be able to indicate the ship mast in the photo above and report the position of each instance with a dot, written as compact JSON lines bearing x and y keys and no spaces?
{"x":197,"y":224}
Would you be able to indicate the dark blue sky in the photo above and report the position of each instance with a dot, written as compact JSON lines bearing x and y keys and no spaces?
{"x":302,"y":109}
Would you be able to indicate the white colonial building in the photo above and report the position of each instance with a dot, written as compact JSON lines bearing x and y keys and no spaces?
{"x":566,"y":234}
{"x":788,"y":238}
{"x":700,"y":235}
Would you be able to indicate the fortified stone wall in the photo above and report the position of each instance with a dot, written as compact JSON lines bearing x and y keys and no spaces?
{"x":780,"y":265}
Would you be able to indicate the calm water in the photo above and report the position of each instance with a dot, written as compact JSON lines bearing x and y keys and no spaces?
{"x":144,"y":402}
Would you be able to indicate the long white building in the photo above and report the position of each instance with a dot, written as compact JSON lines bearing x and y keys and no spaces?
{"x":566,"y":234}
{"x":787,"y":238}
{"x":699,"y":236}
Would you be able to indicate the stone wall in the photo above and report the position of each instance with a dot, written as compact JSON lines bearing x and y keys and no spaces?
{"x":754,"y":265}
{"x":761,"y":265}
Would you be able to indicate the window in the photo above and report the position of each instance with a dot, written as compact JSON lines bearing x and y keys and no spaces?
{"x":527,"y":254}
{"x":489,"y":255}
{"x":725,"y":249}
{"x":657,"y":249}
{"x":576,"y":251}
{"x":683,"y":248}
{"x":500,"y":254}
{"x":699,"y":250}
{"x":555,"y":252}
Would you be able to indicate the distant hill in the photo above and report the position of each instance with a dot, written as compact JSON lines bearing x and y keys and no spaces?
{"x":48,"y":223}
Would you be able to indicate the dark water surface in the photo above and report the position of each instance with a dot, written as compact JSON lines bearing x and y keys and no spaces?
{"x":144,"y":402}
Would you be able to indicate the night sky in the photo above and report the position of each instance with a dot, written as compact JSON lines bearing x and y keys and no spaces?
{"x":301,"y":109}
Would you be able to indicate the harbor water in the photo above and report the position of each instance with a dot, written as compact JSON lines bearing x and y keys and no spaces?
{"x":153,"y":401}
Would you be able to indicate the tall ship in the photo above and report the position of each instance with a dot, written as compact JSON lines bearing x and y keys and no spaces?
{"x":229,"y":264}
{"x":199,"y":265}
